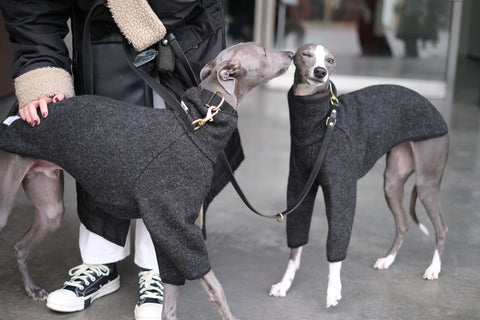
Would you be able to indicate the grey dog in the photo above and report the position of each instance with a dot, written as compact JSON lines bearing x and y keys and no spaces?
{"x":371,"y":122}
{"x":142,"y":162}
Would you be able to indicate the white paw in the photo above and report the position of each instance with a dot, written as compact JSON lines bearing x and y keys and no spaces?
{"x":334,"y":289}
{"x":278,"y":290}
{"x":431,"y":274}
{"x":384,"y":263}
{"x":334,"y":295}
{"x":433,"y":270}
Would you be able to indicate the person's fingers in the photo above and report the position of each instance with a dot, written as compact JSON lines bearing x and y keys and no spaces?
{"x":43,"y":104}
{"x":25,"y":113}
{"x":58,"y":97}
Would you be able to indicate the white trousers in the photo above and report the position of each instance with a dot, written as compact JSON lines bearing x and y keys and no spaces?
{"x":96,"y":250}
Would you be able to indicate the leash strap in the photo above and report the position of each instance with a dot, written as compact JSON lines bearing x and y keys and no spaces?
{"x":331,"y":121}
{"x":162,"y":91}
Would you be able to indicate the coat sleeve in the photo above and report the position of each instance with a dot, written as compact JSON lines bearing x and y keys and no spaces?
{"x":41,"y":64}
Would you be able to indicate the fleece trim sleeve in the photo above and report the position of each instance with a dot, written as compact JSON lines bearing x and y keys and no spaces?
{"x":46,"y":81}
{"x":137,"y":22}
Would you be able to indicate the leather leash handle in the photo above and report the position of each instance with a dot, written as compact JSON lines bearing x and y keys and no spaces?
{"x":171,"y":100}
{"x":331,"y":121}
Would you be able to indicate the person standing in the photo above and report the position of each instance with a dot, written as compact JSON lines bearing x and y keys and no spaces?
{"x":44,"y":73}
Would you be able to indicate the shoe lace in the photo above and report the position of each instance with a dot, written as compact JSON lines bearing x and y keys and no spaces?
{"x":83,"y":274}
{"x":150,"y":285}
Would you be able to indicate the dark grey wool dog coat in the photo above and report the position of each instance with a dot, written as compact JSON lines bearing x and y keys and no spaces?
{"x":370,"y":122}
{"x":136,"y":162}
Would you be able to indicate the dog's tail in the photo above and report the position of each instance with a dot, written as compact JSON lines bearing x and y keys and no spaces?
{"x":413,"y":213}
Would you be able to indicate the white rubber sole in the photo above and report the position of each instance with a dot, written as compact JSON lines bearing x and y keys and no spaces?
{"x":58,"y":302}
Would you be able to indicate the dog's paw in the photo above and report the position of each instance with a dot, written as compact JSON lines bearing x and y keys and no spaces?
{"x":384,"y":263}
{"x":433,"y":270}
{"x":334,"y":292}
{"x":38,"y":294}
{"x":279,"y":290}
{"x":333,"y":297}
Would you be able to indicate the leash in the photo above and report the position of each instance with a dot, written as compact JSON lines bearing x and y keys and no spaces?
{"x":280,"y":216}
{"x":169,"y":98}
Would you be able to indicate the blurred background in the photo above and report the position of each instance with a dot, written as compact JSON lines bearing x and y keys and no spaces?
{"x":423,"y":44}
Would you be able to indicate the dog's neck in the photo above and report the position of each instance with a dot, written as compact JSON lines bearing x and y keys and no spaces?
{"x":210,"y":83}
{"x":304,"y":88}
{"x":310,"y":92}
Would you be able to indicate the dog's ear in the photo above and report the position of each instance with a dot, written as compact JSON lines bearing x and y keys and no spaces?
{"x":226,"y":75}
{"x":207,"y":70}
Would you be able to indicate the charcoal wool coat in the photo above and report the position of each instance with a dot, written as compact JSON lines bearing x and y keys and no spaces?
{"x":370,"y":122}
{"x":136,"y":162}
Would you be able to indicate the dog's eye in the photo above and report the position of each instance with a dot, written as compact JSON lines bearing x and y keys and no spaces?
{"x":307,"y":54}
{"x":330,"y":60}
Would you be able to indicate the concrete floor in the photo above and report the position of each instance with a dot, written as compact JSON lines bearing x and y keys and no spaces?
{"x":249,"y":253}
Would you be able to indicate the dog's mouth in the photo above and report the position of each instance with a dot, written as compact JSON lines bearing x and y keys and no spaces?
{"x":317,"y":81}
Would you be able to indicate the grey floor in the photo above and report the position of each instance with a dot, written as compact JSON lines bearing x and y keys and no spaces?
{"x":249,"y":253}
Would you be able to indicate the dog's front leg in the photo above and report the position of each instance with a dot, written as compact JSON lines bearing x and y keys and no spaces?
{"x":215,"y":290}
{"x":280,"y":289}
{"x":340,"y":200}
{"x":334,"y":289}
{"x":170,"y":298}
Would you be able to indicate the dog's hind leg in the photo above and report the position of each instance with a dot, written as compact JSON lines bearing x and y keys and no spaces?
{"x":400,"y":165}
{"x":45,"y":189}
{"x":430,"y":161}
{"x":12,"y":170}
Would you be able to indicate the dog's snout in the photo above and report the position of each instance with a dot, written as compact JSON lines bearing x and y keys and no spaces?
{"x":319,"y":72}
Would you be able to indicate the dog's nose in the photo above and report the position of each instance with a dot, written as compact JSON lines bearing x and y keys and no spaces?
{"x":319,"y":72}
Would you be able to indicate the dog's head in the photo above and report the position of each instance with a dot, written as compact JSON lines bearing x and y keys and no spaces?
{"x":240,"y":68}
{"x":313,"y":66}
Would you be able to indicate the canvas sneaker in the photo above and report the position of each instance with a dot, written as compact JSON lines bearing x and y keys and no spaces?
{"x":150,"y":296}
{"x":88,"y":282}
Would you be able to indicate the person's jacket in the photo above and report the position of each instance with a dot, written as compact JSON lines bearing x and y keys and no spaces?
{"x":42,"y":65}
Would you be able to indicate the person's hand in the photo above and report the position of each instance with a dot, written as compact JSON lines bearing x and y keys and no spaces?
{"x":29,"y":112}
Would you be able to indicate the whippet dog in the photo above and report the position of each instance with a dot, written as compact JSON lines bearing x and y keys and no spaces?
{"x":153,"y":166}
{"x":370,"y":122}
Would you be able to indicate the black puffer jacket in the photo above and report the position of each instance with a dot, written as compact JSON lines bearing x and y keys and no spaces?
{"x":42,"y":65}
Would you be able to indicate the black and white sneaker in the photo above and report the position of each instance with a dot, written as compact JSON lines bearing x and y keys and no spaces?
{"x":88,"y":282}
{"x":150,"y":296}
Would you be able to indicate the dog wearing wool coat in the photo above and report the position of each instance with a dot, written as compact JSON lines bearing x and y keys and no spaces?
{"x":137,"y":163}
{"x":371,"y":122}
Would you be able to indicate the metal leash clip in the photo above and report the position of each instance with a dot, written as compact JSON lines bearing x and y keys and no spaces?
{"x":211,"y":112}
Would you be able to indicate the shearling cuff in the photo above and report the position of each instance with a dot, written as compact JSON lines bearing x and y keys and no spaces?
{"x":46,"y":81}
{"x":138,"y":23}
